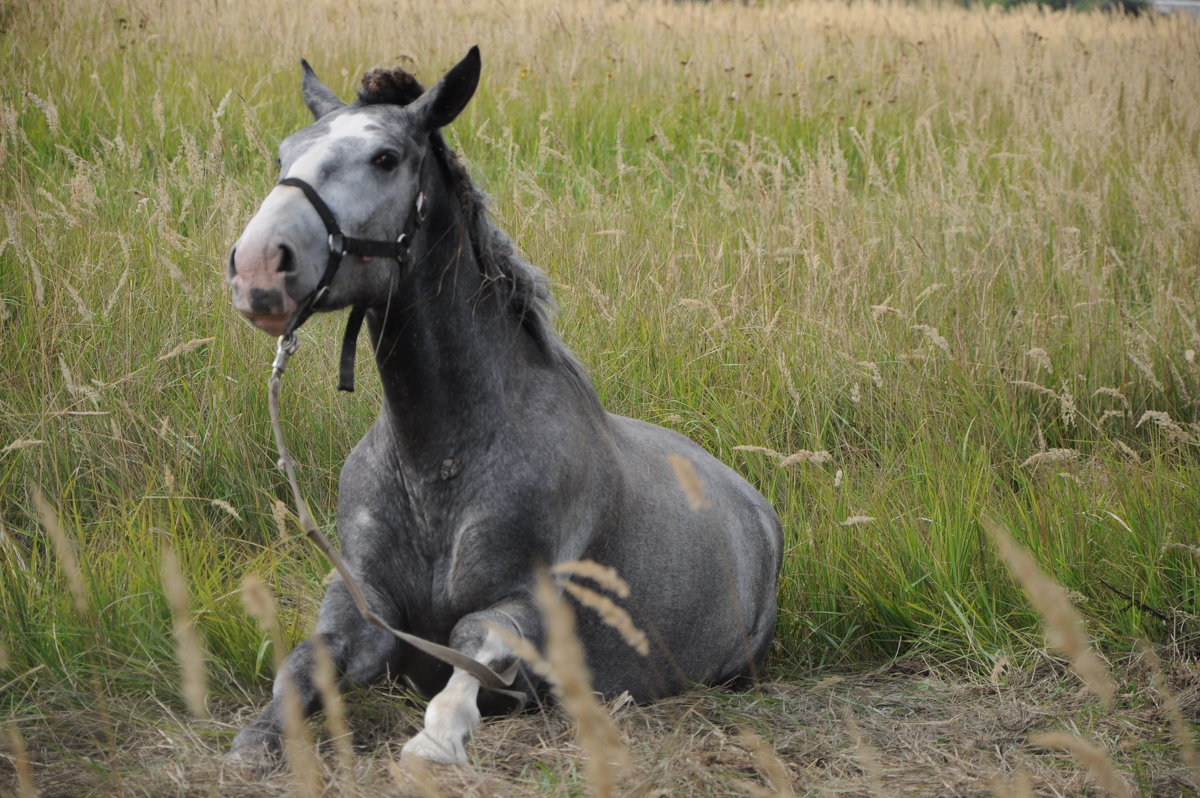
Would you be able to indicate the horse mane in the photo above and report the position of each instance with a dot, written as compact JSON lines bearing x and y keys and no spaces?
{"x":526,"y":288}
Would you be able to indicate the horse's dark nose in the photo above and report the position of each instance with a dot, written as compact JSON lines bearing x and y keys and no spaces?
{"x":262,"y":301}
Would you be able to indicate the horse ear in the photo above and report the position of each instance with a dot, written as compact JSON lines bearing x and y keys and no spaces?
{"x":440,"y":105}
{"x":317,"y":96}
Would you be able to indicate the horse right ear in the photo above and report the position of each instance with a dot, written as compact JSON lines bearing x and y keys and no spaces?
{"x":440,"y":105}
{"x":319,"y":98}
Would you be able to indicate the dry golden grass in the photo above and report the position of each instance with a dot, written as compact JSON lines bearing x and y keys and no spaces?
{"x":188,"y":645}
{"x":1092,"y":756}
{"x":68,"y":558}
{"x":298,"y":744}
{"x":1064,"y":625}
{"x":689,"y":482}
{"x":933,"y":733}
{"x":604,"y":753}
{"x":325,"y":678}
{"x":916,"y":242}
{"x":612,"y":614}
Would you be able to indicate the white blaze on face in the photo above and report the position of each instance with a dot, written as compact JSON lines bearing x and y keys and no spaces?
{"x":341,"y":129}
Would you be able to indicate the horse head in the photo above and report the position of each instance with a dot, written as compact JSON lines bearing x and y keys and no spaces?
{"x":358,"y":170}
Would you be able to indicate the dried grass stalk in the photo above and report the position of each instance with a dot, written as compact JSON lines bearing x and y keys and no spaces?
{"x":325,"y":679}
{"x":1114,"y":393}
{"x":298,"y":746}
{"x":221,"y":504}
{"x":572,"y":683}
{"x":604,"y":575}
{"x":188,"y":646}
{"x":1020,"y":786}
{"x":934,"y":337}
{"x":1041,"y":358}
{"x":1052,"y":457}
{"x":769,"y":763}
{"x":259,"y":604}
{"x":1091,"y":755}
{"x":67,"y":557}
{"x":1181,"y":733}
{"x":23,"y":443}
{"x":867,"y":758}
{"x":25,"y":785}
{"x":187,"y":346}
{"x":297,"y":741}
{"x":801,"y":456}
{"x":1033,"y":386}
{"x":279,"y":512}
{"x":689,"y":482}
{"x":1183,"y":547}
{"x":806,"y":456}
{"x":612,"y":614}
{"x":1064,"y":625}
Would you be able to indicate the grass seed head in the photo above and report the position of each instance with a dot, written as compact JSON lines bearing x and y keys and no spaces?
{"x":25,"y":786}
{"x":689,"y":482}
{"x":572,"y":682}
{"x":612,"y":614}
{"x":325,"y":680}
{"x":1064,"y":625}
{"x":1052,"y":457}
{"x":188,"y":646}
{"x":604,"y":575}
{"x":67,"y":558}
{"x":1092,"y":756}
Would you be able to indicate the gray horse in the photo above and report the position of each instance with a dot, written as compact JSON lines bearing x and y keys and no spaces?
{"x":491,"y":458}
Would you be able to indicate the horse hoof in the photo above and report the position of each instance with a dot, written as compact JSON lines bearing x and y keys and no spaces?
{"x":254,"y":753}
{"x":428,"y":750}
{"x":251,"y":762}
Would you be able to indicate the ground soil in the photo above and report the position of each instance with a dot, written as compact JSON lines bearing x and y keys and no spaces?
{"x":891,"y":731}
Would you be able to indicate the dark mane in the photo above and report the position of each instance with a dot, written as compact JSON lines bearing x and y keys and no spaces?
{"x":527,"y":288}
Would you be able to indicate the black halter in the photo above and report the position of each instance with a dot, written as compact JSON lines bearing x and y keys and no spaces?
{"x":341,"y":245}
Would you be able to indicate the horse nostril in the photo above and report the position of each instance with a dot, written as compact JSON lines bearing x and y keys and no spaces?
{"x":287,"y":261}
{"x":232,"y":264}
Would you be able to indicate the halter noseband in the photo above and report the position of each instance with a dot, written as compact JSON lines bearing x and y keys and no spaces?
{"x":341,"y":245}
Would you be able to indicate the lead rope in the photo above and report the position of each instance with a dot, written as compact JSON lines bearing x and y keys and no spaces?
{"x":496,"y":682}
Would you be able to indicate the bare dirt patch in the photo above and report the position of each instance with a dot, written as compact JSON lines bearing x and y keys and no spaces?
{"x":880,"y":732}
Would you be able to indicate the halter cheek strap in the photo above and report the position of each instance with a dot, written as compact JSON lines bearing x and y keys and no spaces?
{"x":341,"y":245}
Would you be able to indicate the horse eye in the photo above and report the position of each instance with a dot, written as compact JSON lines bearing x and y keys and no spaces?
{"x":278,"y":162}
{"x":386,"y":160}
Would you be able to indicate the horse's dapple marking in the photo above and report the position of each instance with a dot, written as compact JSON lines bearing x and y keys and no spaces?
{"x":491,"y":457}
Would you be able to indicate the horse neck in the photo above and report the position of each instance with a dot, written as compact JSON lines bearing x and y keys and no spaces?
{"x":450,"y":354}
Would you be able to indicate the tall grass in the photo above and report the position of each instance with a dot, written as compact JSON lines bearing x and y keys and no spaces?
{"x":954,"y":250}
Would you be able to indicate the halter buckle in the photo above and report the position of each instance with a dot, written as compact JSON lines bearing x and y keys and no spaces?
{"x":337,"y":244}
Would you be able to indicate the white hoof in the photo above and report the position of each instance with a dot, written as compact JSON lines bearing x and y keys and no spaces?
{"x":450,"y":720}
{"x":430,"y":749}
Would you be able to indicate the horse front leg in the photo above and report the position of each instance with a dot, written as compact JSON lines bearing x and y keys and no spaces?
{"x":361,"y":654}
{"x":453,"y":715}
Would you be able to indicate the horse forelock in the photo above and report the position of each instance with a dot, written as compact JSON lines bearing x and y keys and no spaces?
{"x":389,"y":86}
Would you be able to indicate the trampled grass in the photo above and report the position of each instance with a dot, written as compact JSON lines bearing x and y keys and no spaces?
{"x":955,"y":250}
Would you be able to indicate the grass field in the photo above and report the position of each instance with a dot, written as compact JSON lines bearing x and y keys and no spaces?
{"x":949,"y":258}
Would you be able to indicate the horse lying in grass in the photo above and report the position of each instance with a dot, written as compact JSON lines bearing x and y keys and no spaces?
{"x":492,"y":458}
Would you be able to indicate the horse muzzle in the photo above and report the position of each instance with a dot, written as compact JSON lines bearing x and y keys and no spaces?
{"x":259,"y":284}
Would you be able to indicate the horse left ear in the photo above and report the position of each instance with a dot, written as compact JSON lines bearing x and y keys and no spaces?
{"x":440,"y":105}
{"x":319,"y":98}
